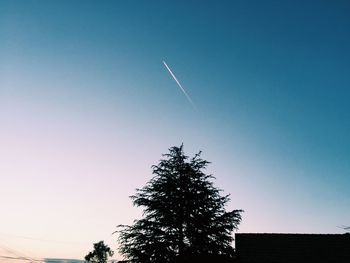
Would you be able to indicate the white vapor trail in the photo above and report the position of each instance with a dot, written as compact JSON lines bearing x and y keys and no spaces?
{"x":179,"y":84}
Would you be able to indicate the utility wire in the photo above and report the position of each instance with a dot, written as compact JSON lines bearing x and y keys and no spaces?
{"x":19,"y":256}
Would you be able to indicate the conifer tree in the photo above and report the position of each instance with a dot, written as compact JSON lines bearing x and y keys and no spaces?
{"x":184,"y":215}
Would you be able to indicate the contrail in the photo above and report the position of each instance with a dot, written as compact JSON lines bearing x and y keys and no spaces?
{"x":179,"y":84}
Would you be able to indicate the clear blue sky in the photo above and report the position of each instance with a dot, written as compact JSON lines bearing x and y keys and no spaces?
{"x":86,"y":107}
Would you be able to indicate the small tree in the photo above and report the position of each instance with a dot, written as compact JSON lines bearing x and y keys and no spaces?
{"x":184,"y":215}
{"x":100,"y":253}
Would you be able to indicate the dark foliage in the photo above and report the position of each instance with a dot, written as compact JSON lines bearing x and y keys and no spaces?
{"x":184,"y":215}
{"x":100,"y":253}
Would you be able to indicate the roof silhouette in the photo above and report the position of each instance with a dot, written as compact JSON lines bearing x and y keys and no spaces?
{"x":288,"y":248}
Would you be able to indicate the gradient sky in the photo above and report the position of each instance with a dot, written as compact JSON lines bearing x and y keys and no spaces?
{"x":87,"y":106}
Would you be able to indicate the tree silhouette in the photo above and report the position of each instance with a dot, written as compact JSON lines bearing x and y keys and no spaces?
{"x":184,"y":215}
{"x":100,"y":253}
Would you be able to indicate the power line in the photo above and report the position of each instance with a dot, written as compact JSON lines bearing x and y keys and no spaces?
{"x":21,"y":258}
{"x":18,"y":255}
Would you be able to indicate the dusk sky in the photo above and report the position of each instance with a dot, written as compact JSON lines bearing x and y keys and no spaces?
{"x":87,"y":106}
